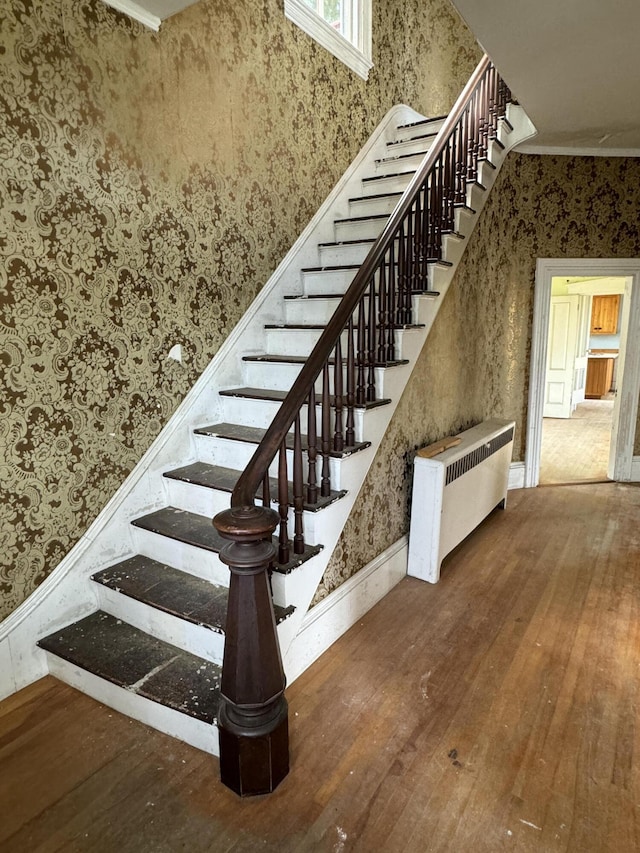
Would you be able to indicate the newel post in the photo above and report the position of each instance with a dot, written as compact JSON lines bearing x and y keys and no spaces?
{"x":252,"y":718}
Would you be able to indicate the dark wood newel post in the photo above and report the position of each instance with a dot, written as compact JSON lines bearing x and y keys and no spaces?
{"x":253,"y":718}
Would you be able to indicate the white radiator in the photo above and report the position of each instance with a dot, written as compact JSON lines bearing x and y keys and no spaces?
{"x":454,"y":491}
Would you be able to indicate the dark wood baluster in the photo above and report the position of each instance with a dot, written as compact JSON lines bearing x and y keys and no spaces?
{"x":418,"y":253}
{"x":312,"y":448}
{"x":402,"y":277}
{"x":382,"y":313}
{"x":371,"y":348}
{"x":266,"y":490}
{"x":461,"y":157}
{"x":298,"y":492}
{"x":470,"y":141}
{"x":392,"y":298}
{"x":350,"y":436}
{"x":493,"y":122}
{"x":338,"y":434}
{"x":283,"y":505}
{"x":482,"y":148}
{"x":361,"y":392}
{"x":325,"y":483}
{"x":447,"y":194}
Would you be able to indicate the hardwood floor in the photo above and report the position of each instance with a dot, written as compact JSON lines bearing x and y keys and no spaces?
{"x":497,"y":710}
{"x":576,"y":449}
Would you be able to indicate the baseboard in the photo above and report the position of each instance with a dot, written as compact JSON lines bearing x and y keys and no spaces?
{"x":635,"y":470}
{"x":516,"y":475}
{"x":342,"y":608}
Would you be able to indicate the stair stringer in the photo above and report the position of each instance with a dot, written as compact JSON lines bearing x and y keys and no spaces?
{"x":307,"y":578}
{"x":67,"y":595}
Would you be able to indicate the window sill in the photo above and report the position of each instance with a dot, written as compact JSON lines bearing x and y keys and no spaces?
{"x":326,"y":36}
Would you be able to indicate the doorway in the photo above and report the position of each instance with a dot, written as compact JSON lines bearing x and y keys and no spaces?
{"x":569,"y":389}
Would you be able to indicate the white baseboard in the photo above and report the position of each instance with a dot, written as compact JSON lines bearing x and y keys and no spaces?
{"x":516,"y":475}
{"x":329,"y":619}
{"x":635,"y":470}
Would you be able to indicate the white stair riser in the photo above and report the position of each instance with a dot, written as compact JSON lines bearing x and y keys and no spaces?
{"x":192,"y":638}
{"x":410,"y":132}
{"x":301,"y":342}
{"x":236,"y":455}
{"x":320,"y":282}
{"x":188,"y":729}
{"x":188,"y":558}
{"x":410,"y":146}
{"x":316,"y":310}
{"x":365,"y":229}
{"x":373,"y":206}
{"x":391,"y":165}
{"x":343,"y":254}
{"x":389,"y":183}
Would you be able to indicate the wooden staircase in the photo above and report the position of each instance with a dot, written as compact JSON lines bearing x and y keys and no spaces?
{"x":153,"y":644}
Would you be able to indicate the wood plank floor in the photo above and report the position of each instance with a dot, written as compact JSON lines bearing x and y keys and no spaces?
{"x":498,"y":710}
{"x":577,"y":448}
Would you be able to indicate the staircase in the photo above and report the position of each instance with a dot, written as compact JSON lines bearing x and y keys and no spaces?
{"x":140,"y":621}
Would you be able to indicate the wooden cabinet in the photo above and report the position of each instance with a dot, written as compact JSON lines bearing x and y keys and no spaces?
{"x":604,"y":314}
{"x":599,"y":377}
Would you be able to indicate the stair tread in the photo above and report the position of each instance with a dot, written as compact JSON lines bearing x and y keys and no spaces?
{"x":431,"y":135}
{"x":406,"y":174}
{"x":376,"y":196}
{"x":173,"y":591}
{"x":277,"y":396}
{"x":130,"y":658}
{"x":254,"y":435}
{"x":225,"y":479}
{"x":357,"y":266}
{"x":198,"y":530}
{"x":367,"y":241}
{"x":320,"y":326}
{"x":372,"y":217}
{"x":303,"y":296}
{"x":402,"y":156}
{"x":301,"y":359}
{"x":421,"y":121}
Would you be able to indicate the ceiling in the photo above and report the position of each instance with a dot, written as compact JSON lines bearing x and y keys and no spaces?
{"x":574,"y":65}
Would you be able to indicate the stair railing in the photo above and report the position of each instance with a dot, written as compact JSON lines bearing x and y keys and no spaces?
{"x":337,"y":378}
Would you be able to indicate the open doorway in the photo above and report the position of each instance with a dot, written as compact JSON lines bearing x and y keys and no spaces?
{"x":627,"y":381}
{"x":587,"y":321}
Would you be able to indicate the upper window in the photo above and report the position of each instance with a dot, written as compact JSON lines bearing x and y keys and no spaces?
{"x":343,"y":27}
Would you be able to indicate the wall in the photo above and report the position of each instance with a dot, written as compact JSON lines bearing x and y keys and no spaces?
{"x":475,"y":363}
{"x":149,"y":185}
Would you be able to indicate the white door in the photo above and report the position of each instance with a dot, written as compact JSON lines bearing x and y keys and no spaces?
{"x":561,"y":356}
{"x":582,"y":351}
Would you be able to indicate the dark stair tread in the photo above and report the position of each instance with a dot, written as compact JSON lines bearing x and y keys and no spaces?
{"x":168,"y":589}
{"x":357,"y":266}
{"x":198,"y":530}
{"x":225,"y":479}
{"x":367,"y":241}
{"x":399,"y":157}
{"x":301,"y":359}
{"x":130,"y":658}
{"x":406,"y":174}
{"x":420,"y":122}
{"x":431,"y":135}
{"x":314,"y":327}
{"x":277,"y":396}
{"x":373,"y":217}
{"x":254,"y":435}
{"x":376,"y":196}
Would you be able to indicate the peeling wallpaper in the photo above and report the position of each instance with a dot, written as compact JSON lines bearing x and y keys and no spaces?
{"x":149,"y":185}
{"x":475,"y":364}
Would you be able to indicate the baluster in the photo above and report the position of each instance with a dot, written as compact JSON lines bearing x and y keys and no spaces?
{"x":338,"y":435}
{"x":361,"y":395}
{"x":382,"y":314}
{"x":482,"y":150}
{"x":493,"y":122}
{"x":312,"y":448}
{"x":418,"y":252}
{"x":470,"y":141}
{"x":461,"y":184}
{"x":325,"y":483}
{"x":351,"y":386}
{"x":402,"y":277}
{"x":371,"y":349}
{"x":392,"y":291}
{"x":298,"y":499}
{"x":283,"y":505}
{"x":266,"y":490}
{"x":449,"y":221}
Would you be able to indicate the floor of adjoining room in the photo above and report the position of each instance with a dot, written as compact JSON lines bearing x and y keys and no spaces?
{"x":577,"y":448}
{"x":494,"y":711}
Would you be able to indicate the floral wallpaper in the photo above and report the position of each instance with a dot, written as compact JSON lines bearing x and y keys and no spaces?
{"x":475,"y":363}
{"x":149,"y":185}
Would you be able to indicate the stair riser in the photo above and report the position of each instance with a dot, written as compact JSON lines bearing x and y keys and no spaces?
{"x":192,"y":638}
{"x":320,"y":283}
{"x":343,"y":255}
{"x":392,"y":164}
{"x":389,"y":183}
{"x":431,"y":126}
{"x":367,"y":229}
{"x":294,"y":341}
{"x":181,"y":726}
{"x":188,"y":558}
{"x":373,"y":206}
{"x":236,"y":455}
{"x":260,"y":413}
{"x":204,"y":501}
{"x":410,"y":146}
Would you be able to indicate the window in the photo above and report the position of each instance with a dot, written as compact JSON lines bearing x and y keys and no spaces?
{"x":343,"y":27}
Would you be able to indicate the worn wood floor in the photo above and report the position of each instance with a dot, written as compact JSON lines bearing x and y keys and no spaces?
{"x":498,"y":710}
{"x":577,"y":448}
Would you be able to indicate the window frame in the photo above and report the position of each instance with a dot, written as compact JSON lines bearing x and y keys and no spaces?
{"x":357,"y":56}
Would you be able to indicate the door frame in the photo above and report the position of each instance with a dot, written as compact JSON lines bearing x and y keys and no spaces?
{"x":628,"y":392}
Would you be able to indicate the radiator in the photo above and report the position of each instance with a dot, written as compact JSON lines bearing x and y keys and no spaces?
{"x":454,"y":491}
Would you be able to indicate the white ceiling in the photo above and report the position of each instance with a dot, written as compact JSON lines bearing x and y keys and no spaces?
{"x":574,"y":65}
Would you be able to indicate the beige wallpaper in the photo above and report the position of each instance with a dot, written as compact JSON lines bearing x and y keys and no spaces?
{"x":149,"y":185}
{"x":475,"y":363}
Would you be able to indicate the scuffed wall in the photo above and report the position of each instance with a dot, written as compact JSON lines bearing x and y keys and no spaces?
{"x":475,"y":364}
{"x":149,"y":185}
